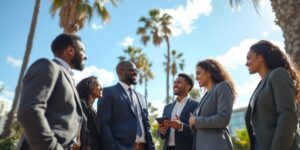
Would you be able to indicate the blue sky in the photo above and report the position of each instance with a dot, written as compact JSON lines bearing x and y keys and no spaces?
{"x":202,"y":29}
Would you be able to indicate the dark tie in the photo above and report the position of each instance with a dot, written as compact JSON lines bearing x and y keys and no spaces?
{"x":134,"y":105}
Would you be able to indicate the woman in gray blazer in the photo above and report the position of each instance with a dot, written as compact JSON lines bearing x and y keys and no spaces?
{"x":213,"y":113}
{"x":271,"y":117}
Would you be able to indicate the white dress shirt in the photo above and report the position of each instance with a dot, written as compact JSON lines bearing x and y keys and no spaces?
{"x":138,"y":139}
{"x":177,"y":109}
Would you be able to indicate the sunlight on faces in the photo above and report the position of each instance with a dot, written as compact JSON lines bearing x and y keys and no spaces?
{"x":79,"y":56}
{"x":254,"y":62}
{"x":180,"y":85}
{"x":202,"y":76}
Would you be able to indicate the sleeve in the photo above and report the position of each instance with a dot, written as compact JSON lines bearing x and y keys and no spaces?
{"x":147,"y":126}
{"x":163,"y":136}
{"x":221,"y":118}
{"x":38,"y":85}
{"x":283,"y":91}
{"x":104,"y":110}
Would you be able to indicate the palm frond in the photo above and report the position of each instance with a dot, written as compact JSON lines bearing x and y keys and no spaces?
{"x":101,"y":11}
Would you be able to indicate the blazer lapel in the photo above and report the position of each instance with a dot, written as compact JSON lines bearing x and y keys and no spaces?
{"x":185,"y":109}
{"x":204,"y":98}
{"x":169,"y":112}
{"x":71,"y":81}
{"x":256,"y":93}
{"x":125,"y":97}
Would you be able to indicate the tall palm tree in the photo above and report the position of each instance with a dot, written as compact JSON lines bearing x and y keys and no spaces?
{"x":74,"y":13}
{"x":11,"y":115}
{"x":288,"y":19}
{"x":157,"y":28}
{"x":177,"y":63}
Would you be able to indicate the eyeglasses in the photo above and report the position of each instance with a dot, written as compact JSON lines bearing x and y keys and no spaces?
{"x":132,"y":70}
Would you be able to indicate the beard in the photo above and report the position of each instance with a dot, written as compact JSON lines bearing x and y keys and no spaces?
{"x":77,"y":63}
{"x":130,"y":80}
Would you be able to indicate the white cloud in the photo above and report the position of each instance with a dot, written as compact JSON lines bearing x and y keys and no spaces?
{"x":6,"y":97}
{"x":185,"y":16}
{"x":128,"y":41}
{"x":245,"y":90}
{"x":96,"y":26}
{"x":265,"y":34}
{"x":105,"y":77}
{"x":13,"y":61}
{"x":236,"y":55}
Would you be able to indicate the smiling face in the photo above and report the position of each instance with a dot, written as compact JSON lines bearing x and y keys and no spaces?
{"x":180,"y":86}
{"x":128,"y":74}
{"x":97,"y":89}
{"x":254,"y":62}
{"x":202,"y":76}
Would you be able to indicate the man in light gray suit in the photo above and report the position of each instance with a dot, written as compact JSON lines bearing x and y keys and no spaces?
{"x":50,"y":111}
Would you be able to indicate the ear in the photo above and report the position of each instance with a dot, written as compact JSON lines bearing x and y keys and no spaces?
{"x":70,"y":50}
{"x":260,"y":58}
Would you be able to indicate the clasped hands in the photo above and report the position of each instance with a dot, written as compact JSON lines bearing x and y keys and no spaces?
{"x":166,"y":124}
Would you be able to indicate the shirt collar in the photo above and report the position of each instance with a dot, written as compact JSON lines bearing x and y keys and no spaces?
{"x":125,"y":86}
{"x":184,"y":100}
{"x":65,"y":65}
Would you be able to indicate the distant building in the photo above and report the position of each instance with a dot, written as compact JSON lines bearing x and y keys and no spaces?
{"x":4,"y":108}
{"x":237,"y":120}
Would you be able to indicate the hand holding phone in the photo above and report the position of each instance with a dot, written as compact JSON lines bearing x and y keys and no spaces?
{"x":161,"y":119}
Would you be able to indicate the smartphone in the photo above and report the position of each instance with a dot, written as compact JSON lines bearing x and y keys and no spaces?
{"x":161,"y":119}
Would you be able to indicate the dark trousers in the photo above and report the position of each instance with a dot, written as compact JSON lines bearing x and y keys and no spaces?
{"x":170,"y":148}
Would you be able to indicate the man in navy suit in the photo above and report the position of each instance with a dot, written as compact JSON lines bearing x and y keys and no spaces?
{"x":176,"y":132}
{"x":123,"y":113}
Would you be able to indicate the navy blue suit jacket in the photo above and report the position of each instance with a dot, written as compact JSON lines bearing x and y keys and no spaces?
{"x":119,"y":122}
{"x":184,"y":138}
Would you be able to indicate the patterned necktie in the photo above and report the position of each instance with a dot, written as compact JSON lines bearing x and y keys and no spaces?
{"x":134,"y":105}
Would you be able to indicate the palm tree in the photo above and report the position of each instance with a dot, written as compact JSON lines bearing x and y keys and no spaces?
{"x":157,"y":27}
{"x":146,"y":74}
{"x":11,"y":115}
{"x":288,"y":19}
{"x":74,"y":13}
{"x":177,"y":63}
{"x":174,"y":65}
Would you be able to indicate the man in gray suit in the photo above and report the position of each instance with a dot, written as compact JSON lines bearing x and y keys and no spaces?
{"x":50,"y":111}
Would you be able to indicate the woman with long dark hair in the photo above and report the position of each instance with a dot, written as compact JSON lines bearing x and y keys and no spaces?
{"x":271,"y":117}
{"x":212,"y":116}
{"x":89,"y":89}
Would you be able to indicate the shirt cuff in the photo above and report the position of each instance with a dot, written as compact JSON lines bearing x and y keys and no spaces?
{"x":181,"y":127}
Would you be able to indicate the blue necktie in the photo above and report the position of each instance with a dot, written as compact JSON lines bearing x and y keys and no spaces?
{"x":134,"y":105}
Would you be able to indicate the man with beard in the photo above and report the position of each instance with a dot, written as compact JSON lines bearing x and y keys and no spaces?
{"x":177,"y":133}
{"x":50,"y":111}
{"x":123,"y":113}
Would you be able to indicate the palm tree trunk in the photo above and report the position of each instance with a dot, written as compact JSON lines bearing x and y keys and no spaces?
{"x":168,"y":67}
{"x":288,"y":18}
{"x":12,"y":114}
{"x":146,"y":86}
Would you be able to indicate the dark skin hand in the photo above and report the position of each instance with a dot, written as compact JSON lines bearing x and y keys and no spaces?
{"x":176,"y":124}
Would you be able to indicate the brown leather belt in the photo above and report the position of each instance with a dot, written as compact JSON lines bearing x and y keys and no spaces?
{"x":139,"y":146}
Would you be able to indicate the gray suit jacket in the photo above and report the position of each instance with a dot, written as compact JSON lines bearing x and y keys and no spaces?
{"x":50,"y":111}
{"x":212,"y":117}
{"x":273,"y":117}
